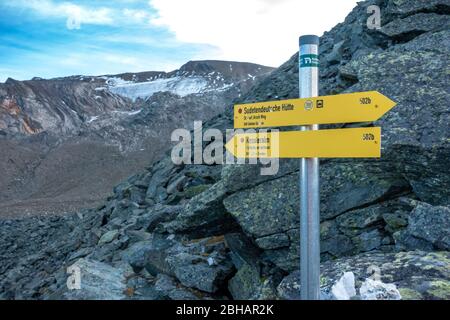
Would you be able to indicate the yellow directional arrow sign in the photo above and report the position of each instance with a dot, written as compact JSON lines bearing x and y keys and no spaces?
{"x":334,"y":143}
{"x":342,"y":108}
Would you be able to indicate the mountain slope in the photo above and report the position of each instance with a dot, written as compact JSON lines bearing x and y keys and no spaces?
{"x":70,"y":140}
{"x":193,"y":232}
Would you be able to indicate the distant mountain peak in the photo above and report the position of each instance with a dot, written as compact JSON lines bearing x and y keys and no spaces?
{"x":194,"y":77}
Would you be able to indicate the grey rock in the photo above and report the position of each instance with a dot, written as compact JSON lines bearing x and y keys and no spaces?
{"x":201,"y":263}
{"x":405,"y":241}
{"x":175,"y":185}
{"x":268,"y":208}
{"x":149,"y":254}
{"x":408,"y":7}
{"x":156,"y":215}
{"x":337,"y":246}
{"x":353,"y":222}
{"x":377,"y":290}
{"x":247,"y":284}
{"x":348,"y":186}
{"x":138,"y":235}
{"x":368,"y":240}
{"x":431,"y":223}
{"x":81,"y":253}
{"x":274,"y":241}
{"x":170,"y":289}
{"x":335,"y":55}
{"x":194,"y":271}
{"x":395,"y":221}
{"x":99,"y":281}
{"x":416,"y":24}
{"x":204,"y":214}
{"x":135,"y":254}
{"x":108,"y":237}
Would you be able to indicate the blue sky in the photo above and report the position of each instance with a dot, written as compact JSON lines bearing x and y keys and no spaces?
{"x":50,"y":38}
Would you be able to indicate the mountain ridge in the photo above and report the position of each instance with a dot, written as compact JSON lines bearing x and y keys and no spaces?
{"x":89,"y":132}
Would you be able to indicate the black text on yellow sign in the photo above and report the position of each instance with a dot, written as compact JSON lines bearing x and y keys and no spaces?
{"x":332,"y":143}
{"x":342,"y":108}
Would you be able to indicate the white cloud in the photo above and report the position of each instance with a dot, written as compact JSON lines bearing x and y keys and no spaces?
{"x":262,"y":31}
{"x":139,"y":16}
{"x":75,"y":14}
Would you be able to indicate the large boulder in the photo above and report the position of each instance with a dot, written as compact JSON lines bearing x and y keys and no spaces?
{"x":203,"y":215}
{"x":201,"y":264}
{"x":430,"y":224}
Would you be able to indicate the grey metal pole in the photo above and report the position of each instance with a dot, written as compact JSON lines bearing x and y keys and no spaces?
{"x":309,"y":178}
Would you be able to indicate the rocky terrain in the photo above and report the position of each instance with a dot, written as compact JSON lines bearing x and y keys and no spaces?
{"x":68,"y":141}
{"x":226,"y":232}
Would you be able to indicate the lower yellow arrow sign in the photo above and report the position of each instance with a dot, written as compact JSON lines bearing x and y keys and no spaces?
{"x":333,"y":143}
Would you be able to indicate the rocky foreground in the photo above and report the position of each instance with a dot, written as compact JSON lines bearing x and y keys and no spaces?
{"x":226,"y":232}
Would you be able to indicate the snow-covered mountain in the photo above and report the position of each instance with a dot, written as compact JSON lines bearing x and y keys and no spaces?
{"x":69,"y":140}
{"x":64,"y":105}
{"x":193,"y":78}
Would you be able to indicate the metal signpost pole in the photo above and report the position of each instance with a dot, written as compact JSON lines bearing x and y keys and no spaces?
{"x":309,"y":177}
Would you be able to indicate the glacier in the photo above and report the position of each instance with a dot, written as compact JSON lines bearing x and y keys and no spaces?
{"x":181,"y":86}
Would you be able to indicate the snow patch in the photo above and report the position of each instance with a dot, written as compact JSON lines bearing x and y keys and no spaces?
{"x":92,"y":119}
{"x":128,"y":113}
{"x":143,"y":90}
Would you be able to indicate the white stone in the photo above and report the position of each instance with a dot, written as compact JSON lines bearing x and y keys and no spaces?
{"x":377,"y":290}
{"x":344,"y":288}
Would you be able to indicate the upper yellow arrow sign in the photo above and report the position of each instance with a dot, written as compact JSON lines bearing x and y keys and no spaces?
{"x":342,"y":108}
{"x":332,"y":143}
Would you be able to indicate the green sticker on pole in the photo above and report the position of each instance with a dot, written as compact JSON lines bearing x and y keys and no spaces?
{"x":309,"y":60}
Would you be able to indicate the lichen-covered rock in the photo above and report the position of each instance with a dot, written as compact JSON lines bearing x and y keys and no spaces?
{"x":274,"y":241}
{"x":432,"y":224}
{"x":203,"y":214}
{"x":407,"y":7}
{"x":416,"y":274}
{"x":416,"y":24}
{"x":348,"y":185}
{"x":247,"y":284}
{"x":268,"y":208}
{"x":406,"y":129}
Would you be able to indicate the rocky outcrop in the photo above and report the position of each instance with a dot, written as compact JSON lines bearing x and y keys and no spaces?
{"x":221,"y":232}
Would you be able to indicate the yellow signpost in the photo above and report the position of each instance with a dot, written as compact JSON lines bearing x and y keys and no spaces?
{"x":333,"y":143}
{"x":310,"y":144}
{"x":341,"y":108}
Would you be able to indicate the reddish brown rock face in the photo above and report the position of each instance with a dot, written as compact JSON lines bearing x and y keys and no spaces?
{"x":10,"y":106}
